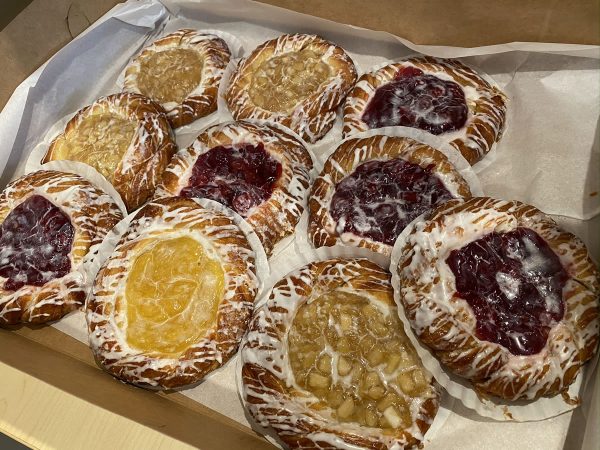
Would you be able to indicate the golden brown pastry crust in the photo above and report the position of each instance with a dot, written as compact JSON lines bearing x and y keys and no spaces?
{"x":265,"y":366}
{"x":314,"y":116}
{"x":140,"y":170}
{"x":202,"y":101}
{"x":450,"y":332}
{"x":486,"y":104}
{"x":161,"y":218}
{"x":345,"y":159}
{"x":276,"y":217}
{"x":92,"y":213}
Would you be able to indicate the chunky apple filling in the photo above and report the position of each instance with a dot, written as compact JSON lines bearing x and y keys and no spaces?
{"x":353,"y":355}
{"x":170,"y":75}
{"x":281,"y":82}
{"x":172,"y":295}
{"x":100,"y":140}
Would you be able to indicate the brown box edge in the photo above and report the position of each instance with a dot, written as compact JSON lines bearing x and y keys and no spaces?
{"x":65,"y":363}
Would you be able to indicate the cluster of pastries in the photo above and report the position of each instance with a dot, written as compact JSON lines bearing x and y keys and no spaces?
{"x":494,"y":288}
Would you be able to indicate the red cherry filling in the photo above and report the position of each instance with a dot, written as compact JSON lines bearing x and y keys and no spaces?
{"x":240,"y":177}
{"x":380,"y":198}
{"x":417,"y":100}
{"x":513,"y":282}
{"x":35,"y":242}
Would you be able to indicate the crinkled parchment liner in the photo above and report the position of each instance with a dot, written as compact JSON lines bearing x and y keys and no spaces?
{"x":462,"y":389}
{"x":281,"y":266}
{"x":34,"y":159}
{"x":454,"y":157}
{"x":78,"y":322}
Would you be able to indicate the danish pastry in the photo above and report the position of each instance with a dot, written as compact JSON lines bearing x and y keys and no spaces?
{"x":174,"y":299}
{"x":49,"y":221}
{"x":326,"y":363}
{"x":125,"y":137}
{"x":297,"y":80}
{"x":441,"y":96}
{"x":258,"y":170}
{"x":501,"y":295}
{"x":371,"y":188}
{"x":181,"y":71}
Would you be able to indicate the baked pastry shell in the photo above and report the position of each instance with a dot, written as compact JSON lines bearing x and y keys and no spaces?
{"x":486,"y":103}
{"x":140,"y":170}
{"x":313,"y":117}
{"x":381,"y":144}
{"x":202,"y":100}
{"x":174,"y":216}
{"x":275,"y":218}
{"x":264,"y":390}
{"x":92,"y":213}
{"x":499,"y":378}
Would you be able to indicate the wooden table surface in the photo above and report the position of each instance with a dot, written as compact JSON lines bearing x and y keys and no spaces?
{"x":44,"y":416}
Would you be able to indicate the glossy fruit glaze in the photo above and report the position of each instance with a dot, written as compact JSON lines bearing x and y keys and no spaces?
{"x":513,"y":282}
{"x":35,"y":241}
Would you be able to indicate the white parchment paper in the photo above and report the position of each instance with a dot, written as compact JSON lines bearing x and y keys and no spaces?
{"x":549,"y":156}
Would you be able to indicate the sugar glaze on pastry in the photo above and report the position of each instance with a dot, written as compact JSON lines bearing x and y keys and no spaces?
{"x":297,"y":80}
{"x":326,"y":363}
{"x":441,"y":96}
{"x":49,"y":223}
{"x":371,"y":188}
{"x":502,"y":296}
{"x":174,"y":299}
{"x":126,"y":137}
{"x":181,"y":71}
{"x":257,"y":169}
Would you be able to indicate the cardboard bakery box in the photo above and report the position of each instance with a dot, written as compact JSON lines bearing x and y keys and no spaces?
{"x":54,"y":395}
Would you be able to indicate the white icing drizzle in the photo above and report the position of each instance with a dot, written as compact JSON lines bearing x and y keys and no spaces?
{"x":265,"y":349}
{"x":202,"y":100}
{"x":275,"y":218}
{"x":92,"y":214}
{"x":314,"y":116}
{"x":485,"y":102}
{"x":153,"y":144}
{"x":324,"y":230}
{"x":427,"y":286}
{"x":223,"y":241}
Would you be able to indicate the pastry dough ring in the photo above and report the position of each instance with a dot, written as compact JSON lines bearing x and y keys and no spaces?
{"x":276,"y":217}
{"x":164,"y":217}
{"x":344,"y":160}
{"x":485,"y":102}
{"x":448,"y":329}
{"x":314,"y":116}
{"x":269,"y":389}
{"x":92,"y":213}
{"x":141,"y":167}
{"x":202,"y":101}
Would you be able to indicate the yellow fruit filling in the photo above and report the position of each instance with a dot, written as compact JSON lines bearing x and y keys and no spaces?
{"x":170,"y":75}
{"x":355,"y":358}
{"x":100,"y":141}
{"x":281,"y":82}
{"x":172,"y":295}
